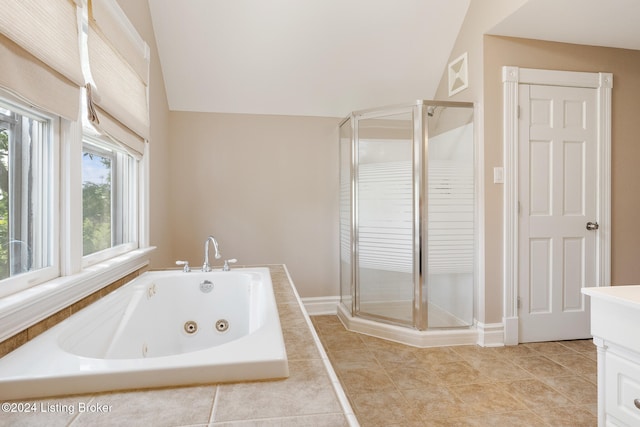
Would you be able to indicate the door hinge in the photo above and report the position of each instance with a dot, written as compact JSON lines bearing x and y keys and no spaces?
{"x":518,"y":112}
{"x":519,"y":303}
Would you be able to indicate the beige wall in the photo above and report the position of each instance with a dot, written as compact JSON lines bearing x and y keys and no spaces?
{"x":265,"y":186}
{"x":625,"y":66}
{"x":138,"y":13}
{"x":486,"y":55}
{"x":482,"y":15}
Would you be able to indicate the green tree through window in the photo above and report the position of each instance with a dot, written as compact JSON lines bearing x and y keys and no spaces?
{"x":4,"y":203}
{"x":26,"y":170}
{"x":96,"y":202}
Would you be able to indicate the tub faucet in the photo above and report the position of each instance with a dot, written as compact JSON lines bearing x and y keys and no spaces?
{"x":186,"y":267}
{"x":226,"y":266}
{"x":206,"y":266}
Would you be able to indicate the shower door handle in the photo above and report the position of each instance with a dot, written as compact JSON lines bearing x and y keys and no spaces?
{"x":591,"y":226}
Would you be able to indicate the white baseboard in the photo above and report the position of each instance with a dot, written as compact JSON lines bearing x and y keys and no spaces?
{"x":490,"y":334}
{"x":317,"y":306}
{"x":510,"y":330}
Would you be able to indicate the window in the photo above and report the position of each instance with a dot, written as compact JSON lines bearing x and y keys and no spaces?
{"x":73,"y":203}
{"x":69,"y":198}
{"x":28,"y":208}
{"x":109,"y":200}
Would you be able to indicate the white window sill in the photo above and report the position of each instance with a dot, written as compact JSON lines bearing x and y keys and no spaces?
{"x":26,"y":308}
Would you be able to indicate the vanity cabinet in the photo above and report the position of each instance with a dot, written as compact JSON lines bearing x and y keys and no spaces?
{"x":615,"y":316}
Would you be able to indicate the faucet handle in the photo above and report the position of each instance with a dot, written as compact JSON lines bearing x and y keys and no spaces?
{"x":186,"y":267}
{"x":226,"y":266}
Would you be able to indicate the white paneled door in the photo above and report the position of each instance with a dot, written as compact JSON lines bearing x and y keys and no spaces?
{"x":557,"y":186}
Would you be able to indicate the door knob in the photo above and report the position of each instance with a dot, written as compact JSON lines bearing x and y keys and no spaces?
{"x":592,"y":226}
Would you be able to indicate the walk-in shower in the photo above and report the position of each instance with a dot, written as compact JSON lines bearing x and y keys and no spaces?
{"x":407,"y":222}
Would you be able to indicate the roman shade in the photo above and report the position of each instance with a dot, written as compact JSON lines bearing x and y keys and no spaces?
{"x":40,"y":51}
{"x":119,"y":68}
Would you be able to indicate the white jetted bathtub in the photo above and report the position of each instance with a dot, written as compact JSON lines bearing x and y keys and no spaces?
{"x":165,"y":328}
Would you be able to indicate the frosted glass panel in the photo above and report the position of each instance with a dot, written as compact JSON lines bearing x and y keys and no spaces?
{"x":385,"y":217}
{"x":450,"y":214}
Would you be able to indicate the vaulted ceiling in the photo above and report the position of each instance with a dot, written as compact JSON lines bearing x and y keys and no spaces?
{"x":611,"y":23}
{"x":330,"y":57}
{"x":302,"y":57}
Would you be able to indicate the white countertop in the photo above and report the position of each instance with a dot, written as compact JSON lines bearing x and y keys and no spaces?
{"x":628,"y":295}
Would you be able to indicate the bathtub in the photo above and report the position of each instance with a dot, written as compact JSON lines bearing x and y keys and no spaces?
{"x":165,"y":328}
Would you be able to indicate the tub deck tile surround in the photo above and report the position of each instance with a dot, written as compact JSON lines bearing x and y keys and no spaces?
{"x":311,"y":396}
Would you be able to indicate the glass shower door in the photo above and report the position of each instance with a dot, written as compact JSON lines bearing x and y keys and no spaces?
{"x":384,"y":212}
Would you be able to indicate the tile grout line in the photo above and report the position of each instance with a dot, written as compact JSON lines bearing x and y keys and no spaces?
{"x":214,"y":405}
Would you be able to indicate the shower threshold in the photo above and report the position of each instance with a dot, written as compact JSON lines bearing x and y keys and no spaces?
{"x":405,"y":335}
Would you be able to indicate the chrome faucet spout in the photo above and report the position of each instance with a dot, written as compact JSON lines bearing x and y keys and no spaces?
{"x":206,"y":266}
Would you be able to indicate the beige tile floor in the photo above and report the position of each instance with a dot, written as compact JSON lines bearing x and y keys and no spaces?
{"x":390,"y":384}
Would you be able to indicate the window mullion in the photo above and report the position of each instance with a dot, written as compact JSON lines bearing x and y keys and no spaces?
{"x":71,"y":198}
{"x":141,"y":206}
{"x":116,"y":200}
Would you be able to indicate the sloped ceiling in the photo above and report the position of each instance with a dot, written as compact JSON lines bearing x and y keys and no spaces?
{"x":610,"y":23}
{"x":330,"y":57}
{"x":302,"y":57}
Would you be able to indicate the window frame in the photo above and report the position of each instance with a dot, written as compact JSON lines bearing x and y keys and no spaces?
{"x":24,"y":281}
{"x":38,"y":296}
{"x":77,"y":279}
{"x":123,"y":173}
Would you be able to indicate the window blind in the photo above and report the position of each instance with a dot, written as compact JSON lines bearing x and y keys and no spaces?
{"x":122,"y":35}
{"x":40,"y":53}
{"x":119,"y":64}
